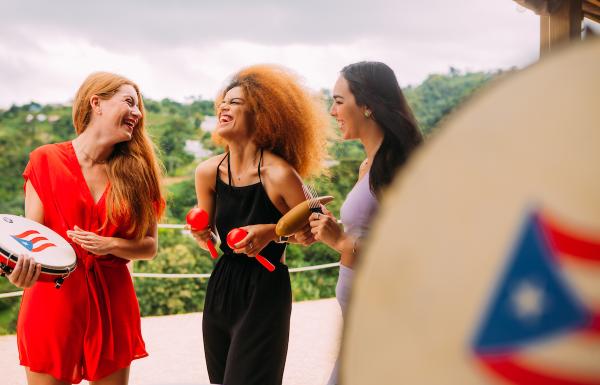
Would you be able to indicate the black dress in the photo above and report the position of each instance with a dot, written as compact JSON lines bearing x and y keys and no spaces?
{"x":247,"y":309}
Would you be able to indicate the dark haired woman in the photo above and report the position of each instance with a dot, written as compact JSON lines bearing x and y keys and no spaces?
{"x":368,"y":105}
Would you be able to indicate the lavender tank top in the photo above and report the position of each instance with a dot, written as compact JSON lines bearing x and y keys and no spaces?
{"x":358,"y":208}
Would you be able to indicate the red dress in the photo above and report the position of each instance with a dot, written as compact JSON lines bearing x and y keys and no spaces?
{"x":90,"y":327}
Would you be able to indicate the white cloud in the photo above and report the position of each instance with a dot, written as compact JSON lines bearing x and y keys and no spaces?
{"x":182,"y":48}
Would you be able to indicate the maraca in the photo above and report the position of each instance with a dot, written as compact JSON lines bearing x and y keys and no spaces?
{"x":295,"y":219}
{"x":198,"y":220}
{"x":236,"y":235}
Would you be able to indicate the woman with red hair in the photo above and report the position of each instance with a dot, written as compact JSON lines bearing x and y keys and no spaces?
{"x":274,"y":133}
{"x":101,"y":192}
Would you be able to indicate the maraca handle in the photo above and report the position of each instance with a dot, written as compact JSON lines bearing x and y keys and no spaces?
{"x":212,"y":250}
{"x":236,"y":235}
{"x":265,"y":262}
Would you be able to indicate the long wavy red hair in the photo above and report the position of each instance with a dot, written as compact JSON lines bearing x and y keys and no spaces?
{"x":133,"y":169}
{"x":285,"y":117}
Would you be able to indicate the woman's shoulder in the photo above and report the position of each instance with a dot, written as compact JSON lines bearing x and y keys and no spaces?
{"x":49,"y":150}
{"x":208,"y":167}
{"x":277,"y":169}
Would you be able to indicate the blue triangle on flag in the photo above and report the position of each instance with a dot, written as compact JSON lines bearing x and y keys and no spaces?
{"x":24,"y":242}
{"x":532,"y":300}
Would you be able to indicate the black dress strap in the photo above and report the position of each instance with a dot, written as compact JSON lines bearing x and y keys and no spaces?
{"x":260,"y":164}
{"x":220,"y":163}
{"x":228,"y":167}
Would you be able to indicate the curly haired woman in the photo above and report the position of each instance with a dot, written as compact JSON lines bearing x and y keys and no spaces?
{"x":274,"y":132}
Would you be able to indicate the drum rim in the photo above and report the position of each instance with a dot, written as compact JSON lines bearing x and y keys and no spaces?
{"x":45,"y":269}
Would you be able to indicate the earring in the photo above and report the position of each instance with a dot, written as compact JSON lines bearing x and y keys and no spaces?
{"x":367,"y":114}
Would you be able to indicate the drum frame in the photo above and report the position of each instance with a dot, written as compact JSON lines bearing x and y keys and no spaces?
{"x":61,"y":275}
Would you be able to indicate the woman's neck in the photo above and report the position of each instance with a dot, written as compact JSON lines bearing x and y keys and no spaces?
{"x":371,"y":139}
{"x":243,"y":157}
{"x":91,"y":148}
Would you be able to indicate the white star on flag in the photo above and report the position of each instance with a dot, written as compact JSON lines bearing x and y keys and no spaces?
{"x":528,"y":300}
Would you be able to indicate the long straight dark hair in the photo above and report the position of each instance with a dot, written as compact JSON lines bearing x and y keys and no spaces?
{"x":374,"y":86}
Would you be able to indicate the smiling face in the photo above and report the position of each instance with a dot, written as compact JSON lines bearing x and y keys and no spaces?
{"x":232,"y":115}
{"x":120,"y":114}
{"x":345,"y":110}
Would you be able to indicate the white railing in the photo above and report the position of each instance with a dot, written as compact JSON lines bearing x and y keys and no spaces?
{"x":188,"y":276}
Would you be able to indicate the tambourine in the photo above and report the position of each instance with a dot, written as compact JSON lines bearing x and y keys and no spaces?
{"x":20,"y":235}
{"x":483,"y":264}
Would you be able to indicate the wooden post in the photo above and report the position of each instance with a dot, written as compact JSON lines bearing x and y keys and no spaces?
{"x":561,"y":26}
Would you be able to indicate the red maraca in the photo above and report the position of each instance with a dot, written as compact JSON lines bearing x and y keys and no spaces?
{"x":236,"y":235}
{"x":198,"y":220}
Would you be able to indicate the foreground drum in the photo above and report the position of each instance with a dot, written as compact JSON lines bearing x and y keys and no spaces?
{"x":484,"y":264}
{"x":20,"y":235}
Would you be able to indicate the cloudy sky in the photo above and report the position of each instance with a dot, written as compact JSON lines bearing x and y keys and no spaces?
{"x":185,"y":48}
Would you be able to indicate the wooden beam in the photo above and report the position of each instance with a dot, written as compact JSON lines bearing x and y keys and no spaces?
{"x":593,"y":2}
{"x":561,"y":26}
{"x":591,"y":10}
{"x":592,"y":16}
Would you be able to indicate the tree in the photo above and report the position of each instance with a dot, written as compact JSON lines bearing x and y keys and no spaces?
{"x":170,"y":125}
{"x":438,"y":95}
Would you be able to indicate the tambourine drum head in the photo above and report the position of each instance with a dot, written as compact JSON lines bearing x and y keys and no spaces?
{"x":20,"y":235}
{"x":483,"y":266}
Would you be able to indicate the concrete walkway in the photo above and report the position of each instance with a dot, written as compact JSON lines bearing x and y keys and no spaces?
{"x":177,"y":357}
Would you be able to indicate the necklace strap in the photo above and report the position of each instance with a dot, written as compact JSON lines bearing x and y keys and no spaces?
{"x":89,"y":157}
{"x":247,"y":168}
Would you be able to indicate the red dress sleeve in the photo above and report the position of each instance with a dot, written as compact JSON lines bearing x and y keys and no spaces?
{"x":29,"y":174}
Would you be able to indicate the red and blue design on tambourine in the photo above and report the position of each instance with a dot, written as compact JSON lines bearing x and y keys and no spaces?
{"x":20,"y":235}
{"x":540,"y":313}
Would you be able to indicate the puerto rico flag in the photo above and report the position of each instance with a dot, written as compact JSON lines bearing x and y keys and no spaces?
{"x":33,"y":241}
{"x":542,"y":323}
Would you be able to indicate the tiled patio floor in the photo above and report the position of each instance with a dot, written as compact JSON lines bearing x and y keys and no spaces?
{"x":177,"y":357}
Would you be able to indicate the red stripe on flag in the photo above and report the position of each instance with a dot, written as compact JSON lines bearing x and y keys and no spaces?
{"x":570,"y":245}
{"x":26,"y":233}
{"x":593,"y":328}
{"x":518,"y":374}
{"x":43,"y":247}
{"x":36,"y":239}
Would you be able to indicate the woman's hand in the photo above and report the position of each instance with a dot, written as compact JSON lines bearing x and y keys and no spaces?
{"x":325,"y":229}
{"x":305,"y":236}
{"x":92,"y":242}
{"x":202,"y":236}
{"x":257,"y":239}
{"x":25,"y":273}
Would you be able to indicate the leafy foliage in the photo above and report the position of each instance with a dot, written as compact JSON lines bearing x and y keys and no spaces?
{"x":171,"y":125}
{"x":179,"y":254}
{"x":439,"y":94}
